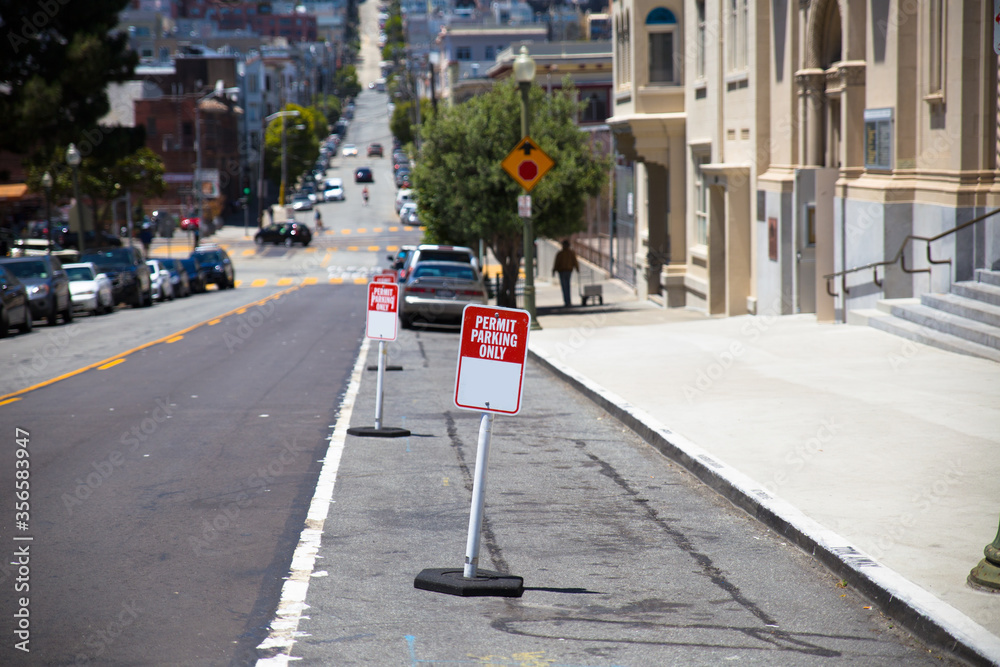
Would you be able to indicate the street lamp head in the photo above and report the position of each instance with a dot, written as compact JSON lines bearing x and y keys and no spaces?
{"x":524,"y":66}
{"x":47,"y":181}
{"x":73,"y":156}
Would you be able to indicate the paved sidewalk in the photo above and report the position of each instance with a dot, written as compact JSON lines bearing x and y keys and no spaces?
{"x":875,"y":453}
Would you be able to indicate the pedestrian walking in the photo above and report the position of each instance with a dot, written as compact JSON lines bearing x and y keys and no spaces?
{"x":319,"y":222}
{"x":564,"y":264}
{"x":364,"y":195}
{"x":146,"y":238}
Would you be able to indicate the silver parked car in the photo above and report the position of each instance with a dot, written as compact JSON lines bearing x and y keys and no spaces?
{"x":160,"y":280}
{"x":91,"y":290}
{"x":438,"y":292}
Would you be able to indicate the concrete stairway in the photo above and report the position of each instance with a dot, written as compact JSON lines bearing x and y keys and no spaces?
{"x":965,"y":320}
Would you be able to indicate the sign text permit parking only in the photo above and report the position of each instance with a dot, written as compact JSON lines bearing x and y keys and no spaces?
{"x":494,"y":344}
{"x":383,"y":306}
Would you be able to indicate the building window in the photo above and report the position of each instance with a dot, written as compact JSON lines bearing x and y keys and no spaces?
{"x":595,"y":108}
{"x":151,"y":126}
{"x":489,"y":53}
{"x":737,"y":28}
{"x":661,"y":25}
{"x":463,"y":53}
{"x":936,"y":46}
{"x":700,"y":201}
{"x":700,"y":56}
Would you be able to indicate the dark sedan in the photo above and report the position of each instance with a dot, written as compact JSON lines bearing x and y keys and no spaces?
{"x":219,"y":266}
{"x":128,"y":272}
{"x":14,"y":308}
{"x":363,"y":175}
{"x":284,"y":233}
{"x":47,"y":284}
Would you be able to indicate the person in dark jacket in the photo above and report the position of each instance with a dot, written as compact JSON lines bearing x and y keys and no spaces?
{"x":564,"y":264}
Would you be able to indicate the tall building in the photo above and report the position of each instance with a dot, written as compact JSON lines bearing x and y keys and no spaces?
{"x":768,"y":145}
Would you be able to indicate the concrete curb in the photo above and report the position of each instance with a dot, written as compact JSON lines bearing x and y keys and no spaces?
{"x":930,"y":619}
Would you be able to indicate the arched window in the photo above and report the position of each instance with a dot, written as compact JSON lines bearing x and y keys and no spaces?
{"x":664,"y":47}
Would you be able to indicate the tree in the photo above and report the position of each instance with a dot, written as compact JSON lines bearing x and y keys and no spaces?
{"x":464,"y":193}
{"x":330,"y":107}
{"x":56,"y":59}
{"x":301,"y":145}
{"x":345,"y":82}
{"x":402,"y":124}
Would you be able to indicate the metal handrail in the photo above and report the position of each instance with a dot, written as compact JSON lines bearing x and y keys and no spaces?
{"x":901,"y":256}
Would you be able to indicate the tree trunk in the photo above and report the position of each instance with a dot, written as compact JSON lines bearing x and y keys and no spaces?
{"x":508,"y":252}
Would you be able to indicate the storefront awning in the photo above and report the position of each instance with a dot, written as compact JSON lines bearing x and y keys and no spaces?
{"x":12,"y":191}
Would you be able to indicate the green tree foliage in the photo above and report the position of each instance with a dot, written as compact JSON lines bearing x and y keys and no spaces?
{"x":464,"y":193}
{"x":301,"y":145}
{"x":56,"y":59}
{"x":345,"y":82}
{"x":402,"y":124}
{"x":330,"y":107}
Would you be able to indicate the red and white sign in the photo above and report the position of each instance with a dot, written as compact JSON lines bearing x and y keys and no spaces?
{"x":383,"y":308}
{"x":387,"y":276}
{"x":494,"y":344}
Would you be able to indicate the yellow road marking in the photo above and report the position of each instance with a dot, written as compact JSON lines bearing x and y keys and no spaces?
{"x":174,"y":339}
{"x":212,"y":323}
{"x":377,"y":230}
{"x":284,"y":281}
{"x":259,"y":282}
{"x":249,"y":251}
{"x":345,"y":231}
{"x":310,"y":250}
{"x":360,"y":281}
{"x":118,"y":358}
{"x":352,"y":248}
{"x":408,"y":228}
{"x":336,"y":281}
{"x":9,"y":400}
{"x":237,"y":283}
{"x":392,"y":248}
{"x":394,"y":229}
{"x":361,"y":230}
{"x":373,"y":248}
{"x":110,"y":364}
{"x":310,"y":281}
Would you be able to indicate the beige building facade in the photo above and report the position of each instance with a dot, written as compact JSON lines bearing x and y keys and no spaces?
{"x":793,"y":139}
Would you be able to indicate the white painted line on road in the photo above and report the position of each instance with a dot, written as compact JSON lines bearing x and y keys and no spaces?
{"x":915,"y":605}
{"x":284,"y":627}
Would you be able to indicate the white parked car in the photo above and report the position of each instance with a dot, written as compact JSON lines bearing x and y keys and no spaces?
{"x":349,"y":150}
{"x":404,"y":211}
{"x":333,"y":189}
{"x":402,"y":196}
{"x":160,"y":280}
{"x":90,"y":289}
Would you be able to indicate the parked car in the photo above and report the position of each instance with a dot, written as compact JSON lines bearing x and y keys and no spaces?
{"x":363,"y":175}
{"x":286,"y":233}
{"x":397,"y":260}
{"x":196,"y":274}
{"x":178,"y":276}
{"x":333,"y":189}
{"x":405,"y":210}
{"x":191,"y":224}
{"x":38,"y":247}
{"x":437,"y":253}
{"x":349,"y":150}
{"x":69,"y":239}
{"x":302,"y":202}
{"x":402,"y":196}
{"x":437,"y":292}
{"x":14,"y":307}
{"x":218,"y":264}
{"x":91,"y":290}
{"x":127,"y":269}
{"x":411,"y":217}
{"x":159,"y":278}
{"x":374,"y":150}
{"x":402,"y":179}
{"x":47,"y":285}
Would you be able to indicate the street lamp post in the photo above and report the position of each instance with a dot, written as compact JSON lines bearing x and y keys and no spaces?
{"x":284,"y":161}
{"x":524,"y":74}
{"x":73,"y":159}
{"x":47,"y":186}
{"x":986,"y":575}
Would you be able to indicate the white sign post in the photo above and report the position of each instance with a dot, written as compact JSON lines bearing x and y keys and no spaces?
{"x":492,"y":350}
{"x":380,"y":325}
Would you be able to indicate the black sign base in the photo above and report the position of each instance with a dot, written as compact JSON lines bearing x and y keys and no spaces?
{"x":484,"y":584}
{"x":388,"y":368}
{"x":384,"y":432}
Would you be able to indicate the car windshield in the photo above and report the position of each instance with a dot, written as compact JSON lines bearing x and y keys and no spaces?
{"x":35,"y":269}
{"x":80,"y":273}
{"x":212,"y":256}
{"x":444,"y":271}
{"x":116,"y":258}
{"x":444,"y":256}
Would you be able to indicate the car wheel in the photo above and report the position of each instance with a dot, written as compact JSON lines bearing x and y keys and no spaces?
{"x":4,"y":322}
{"x":258,"y":240}
{"x":289,"y":242}
{"x":68,"y":313}
{"x":147,"y":300}
{"x":405,"y":321}
{"x":52,"y":318}
{"x":28,"y":324}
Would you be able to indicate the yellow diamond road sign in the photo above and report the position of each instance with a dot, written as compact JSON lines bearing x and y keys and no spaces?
{"x":527,"y":163}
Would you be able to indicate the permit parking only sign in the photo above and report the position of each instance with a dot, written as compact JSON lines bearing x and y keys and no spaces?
{"x":491,"y":354}
{"x":383,"y":307}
